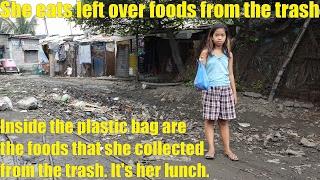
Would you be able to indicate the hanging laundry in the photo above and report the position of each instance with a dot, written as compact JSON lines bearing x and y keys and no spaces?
{"x":56,"y":56}
{"x":84,"y":54}
{"x":66,"y":47}
{"x":62,"y":53}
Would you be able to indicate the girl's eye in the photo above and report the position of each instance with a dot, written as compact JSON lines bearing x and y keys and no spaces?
{"x":216,"y":35}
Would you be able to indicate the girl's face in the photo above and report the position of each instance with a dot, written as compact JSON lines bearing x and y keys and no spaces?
{"x":219,"y":37}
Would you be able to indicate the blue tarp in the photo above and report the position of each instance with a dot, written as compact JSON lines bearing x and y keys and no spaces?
{"x":43,"y":59}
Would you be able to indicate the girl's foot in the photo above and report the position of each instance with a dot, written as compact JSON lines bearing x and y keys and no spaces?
{"x":231,"y":156}
{"x":210,"y":155}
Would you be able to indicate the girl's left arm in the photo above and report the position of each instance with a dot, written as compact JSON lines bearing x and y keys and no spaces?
{"x":231,"y":77}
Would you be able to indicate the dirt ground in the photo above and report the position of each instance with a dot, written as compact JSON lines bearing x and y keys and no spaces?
{"x":269,"y":138}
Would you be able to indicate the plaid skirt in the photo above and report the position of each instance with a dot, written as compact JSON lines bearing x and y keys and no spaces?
{"x":218,"y":103}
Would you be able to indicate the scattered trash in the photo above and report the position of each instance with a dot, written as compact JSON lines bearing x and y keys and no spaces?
{"x":276,"y":161}
{"x":274,"y":136}
{"x":116,"y":99}
{"x":65,"y":98}
{"x":299,"y":169}
{"x":55,"y":97}
{"x":27,"y":158}
{"x":295,"y":153}
{"x":87,"y":107}
{"x":28,"y":103}
{"x":245,"y":125}
{"x":268,"y":130}
{"x":168,"y":158}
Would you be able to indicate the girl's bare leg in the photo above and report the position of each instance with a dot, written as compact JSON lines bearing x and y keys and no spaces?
{"x":225,"y":134}
{"x":209,"y":132}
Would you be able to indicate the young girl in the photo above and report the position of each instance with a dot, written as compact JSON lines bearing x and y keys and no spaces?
{"x":220,"y":99}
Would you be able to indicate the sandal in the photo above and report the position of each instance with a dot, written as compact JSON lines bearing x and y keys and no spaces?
{"x":208,"y":156}
{"x":231,"y":156}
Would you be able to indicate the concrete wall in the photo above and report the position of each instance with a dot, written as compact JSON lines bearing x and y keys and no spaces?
{"x":21,"y":50}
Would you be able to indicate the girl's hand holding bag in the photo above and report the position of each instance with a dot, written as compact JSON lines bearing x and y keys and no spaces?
{"x":201,"y":80}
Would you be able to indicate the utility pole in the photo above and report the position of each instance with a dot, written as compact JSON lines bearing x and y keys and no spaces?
{"x":46,"y":26}
{"x":70,"y":28}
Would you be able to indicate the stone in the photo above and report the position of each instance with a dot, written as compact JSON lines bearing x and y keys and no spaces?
{"x":171,"y":98}
{"x":28,"y":103}
{"x":305,"y":142}
{"x":303,"y":105}
{"x":277,"y":135}
{"x":291,"y":133}
{"x":280,"y":107}
{"x":288,"y":104}
{"x":295,"y":153}
{"x":144,"y":86}
{"x":276,"y":161}
{"x":256,"y":136}
{"x":5,"y":104}
{"x":252,"y":94}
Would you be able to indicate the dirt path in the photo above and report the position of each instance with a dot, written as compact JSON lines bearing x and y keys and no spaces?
{"x":266,"y":147}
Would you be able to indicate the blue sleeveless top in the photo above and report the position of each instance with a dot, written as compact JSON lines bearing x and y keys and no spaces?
{"x":217,"y":70}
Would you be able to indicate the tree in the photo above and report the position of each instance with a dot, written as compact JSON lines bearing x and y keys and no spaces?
{"x":5,"y":26}
{"x":19,"y":26}
{"x":24,"y":26}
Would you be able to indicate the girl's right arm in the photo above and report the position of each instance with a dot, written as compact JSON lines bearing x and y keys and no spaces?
{"x":203,"y":56}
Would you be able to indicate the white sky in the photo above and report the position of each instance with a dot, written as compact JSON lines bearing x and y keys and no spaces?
{"x":55,"y":25}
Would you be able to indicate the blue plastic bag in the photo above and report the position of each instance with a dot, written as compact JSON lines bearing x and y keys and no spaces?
{"x":201,"y":80}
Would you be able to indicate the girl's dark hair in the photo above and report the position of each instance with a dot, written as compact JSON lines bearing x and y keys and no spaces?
{"x":209,"y":44}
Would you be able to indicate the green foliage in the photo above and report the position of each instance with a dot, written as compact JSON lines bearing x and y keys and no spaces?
{"x":127,"y":26}
{"x":253,"y":39}
{"x":5,"y":27}
{"x":257,"y":86}
{"x":189,"y":84}
{"x":24,"y":26}
{"x":240,"y":88}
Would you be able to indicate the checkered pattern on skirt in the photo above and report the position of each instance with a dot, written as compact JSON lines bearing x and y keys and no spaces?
{"x":218,"y":103}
